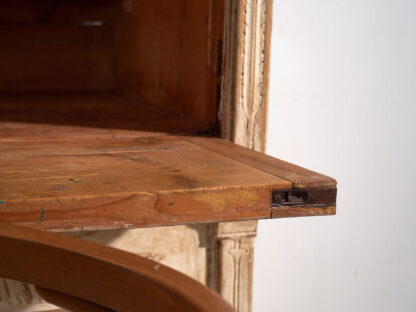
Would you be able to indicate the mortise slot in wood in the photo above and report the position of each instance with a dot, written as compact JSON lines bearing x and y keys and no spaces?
{"x":306,"y":197}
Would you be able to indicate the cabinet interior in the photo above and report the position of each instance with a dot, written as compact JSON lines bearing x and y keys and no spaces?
{"x":136,"y":64}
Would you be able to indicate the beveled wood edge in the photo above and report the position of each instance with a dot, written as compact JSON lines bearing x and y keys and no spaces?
{"x":302,"y":211}
{"x":246,"y":69}
{"x":199,"y":209}
{"x":298,"y":176}
{"x":97,"y":271}
{"x":289,"y":176}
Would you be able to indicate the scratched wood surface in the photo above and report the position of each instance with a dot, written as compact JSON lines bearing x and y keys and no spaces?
{"x":101,"y":182}
{"x":300,"y":177}
{"x":85,"y":175}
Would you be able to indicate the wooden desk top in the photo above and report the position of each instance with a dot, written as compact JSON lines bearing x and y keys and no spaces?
{"x":77,"y":178}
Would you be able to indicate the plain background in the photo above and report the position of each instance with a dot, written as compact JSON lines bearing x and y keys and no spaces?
{"x":343,"y":102}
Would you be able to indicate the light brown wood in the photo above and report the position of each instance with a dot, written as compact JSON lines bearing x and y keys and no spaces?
{"x":299,"y":177}
{"x":178,"y":64}
{"x":101,"y":275}
{"x":93,"y":183}
{"x":72,"y":178}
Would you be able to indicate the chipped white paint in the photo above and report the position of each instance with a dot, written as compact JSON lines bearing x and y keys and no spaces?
{"x":245,"y":82}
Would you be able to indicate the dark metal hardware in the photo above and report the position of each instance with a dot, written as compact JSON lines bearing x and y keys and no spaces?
{"x":306,"y":197}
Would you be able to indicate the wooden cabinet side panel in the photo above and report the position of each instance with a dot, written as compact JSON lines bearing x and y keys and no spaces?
{"x":166,"y":53}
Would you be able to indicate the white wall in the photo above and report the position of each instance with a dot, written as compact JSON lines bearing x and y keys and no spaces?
{"x":343,"y":102}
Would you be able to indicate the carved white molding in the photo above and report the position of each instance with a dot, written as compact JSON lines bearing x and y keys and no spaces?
{"x":244,"y":98}
{"x":250,"y":90}
{"x":243,"y":118}
{"x":232,"y":272}
{"x":14,"y":294}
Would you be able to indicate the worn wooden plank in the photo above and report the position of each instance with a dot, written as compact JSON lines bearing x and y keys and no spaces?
{"x":299,"y":177}
{"x":59,"y":176}
{"x":92,"y":182}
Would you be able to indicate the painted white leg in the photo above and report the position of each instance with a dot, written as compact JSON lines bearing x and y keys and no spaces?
{"x":232,"y":267}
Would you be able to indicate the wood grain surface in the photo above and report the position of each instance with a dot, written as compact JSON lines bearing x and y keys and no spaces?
{"x":83,"y":178}
{"x":300,"y":177}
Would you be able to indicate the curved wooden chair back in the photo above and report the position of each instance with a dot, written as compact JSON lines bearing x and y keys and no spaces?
{"x":78,"y":275}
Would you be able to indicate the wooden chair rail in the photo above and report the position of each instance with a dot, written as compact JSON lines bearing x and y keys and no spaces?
{"x":83,"y":276}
